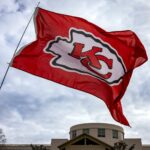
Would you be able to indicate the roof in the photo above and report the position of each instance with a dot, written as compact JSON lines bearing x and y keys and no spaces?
{"x":84,"y":136}
{"x":97,"y":125}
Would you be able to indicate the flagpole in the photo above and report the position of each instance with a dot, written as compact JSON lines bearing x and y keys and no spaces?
{"x":18,"y":46}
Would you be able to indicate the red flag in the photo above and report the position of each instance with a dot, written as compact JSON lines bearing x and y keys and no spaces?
{"x":78,"y":54}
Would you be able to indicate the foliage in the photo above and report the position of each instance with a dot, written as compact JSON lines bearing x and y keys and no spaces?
{"x":2,"y":137}
{"x":122,"y":146}
{"x":38,"y":147}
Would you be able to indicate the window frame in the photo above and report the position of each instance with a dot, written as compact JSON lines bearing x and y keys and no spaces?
{"x":74,"y":133}
{"x":86,"y":131}
{"x":115,"y":134}
{"x":101,"y":132}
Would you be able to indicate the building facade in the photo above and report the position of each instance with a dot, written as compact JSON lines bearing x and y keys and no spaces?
{"x":88,"y":136}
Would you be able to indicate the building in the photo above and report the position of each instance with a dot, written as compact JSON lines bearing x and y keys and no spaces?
{"x":88,"y":136}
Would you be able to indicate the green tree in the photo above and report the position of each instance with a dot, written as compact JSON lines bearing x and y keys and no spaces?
{"x":38,"y":147}
{"x":2,"y":137}
{"x":122,"y":146}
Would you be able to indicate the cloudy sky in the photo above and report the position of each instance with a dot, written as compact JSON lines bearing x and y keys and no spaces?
{"x":34,"y":110}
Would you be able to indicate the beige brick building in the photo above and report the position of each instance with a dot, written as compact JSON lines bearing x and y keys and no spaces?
{"x":88,"y":136}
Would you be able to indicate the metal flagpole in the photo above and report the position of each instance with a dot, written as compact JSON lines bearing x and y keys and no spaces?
{"x":18,"y":46}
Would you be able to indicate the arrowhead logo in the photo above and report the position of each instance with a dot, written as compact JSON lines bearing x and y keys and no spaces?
{"x":84,"y":53}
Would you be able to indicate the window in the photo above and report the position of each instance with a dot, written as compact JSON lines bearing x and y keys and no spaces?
{"x":85,"y":141}
{"x":74,"y":134}
{"x":101,"y":132}
{"x":86,"y":131}
{"x":79,"y":142}
{"x":90,"y":142}
{"x":115,"y":134}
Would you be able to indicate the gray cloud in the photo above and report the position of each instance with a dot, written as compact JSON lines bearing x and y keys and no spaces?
{"x":21,"y":5}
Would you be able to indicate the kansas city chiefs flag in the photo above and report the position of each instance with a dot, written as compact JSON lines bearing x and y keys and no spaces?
{"x":78,"y":54}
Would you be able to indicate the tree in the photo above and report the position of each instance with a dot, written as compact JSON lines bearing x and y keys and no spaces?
{"x":2,"y":137}
{"x":122,"y":146}
{"x":38,"y":147}
{"x":2,"y":140}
